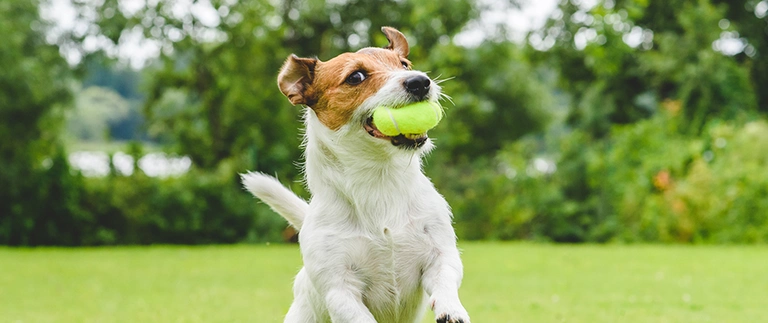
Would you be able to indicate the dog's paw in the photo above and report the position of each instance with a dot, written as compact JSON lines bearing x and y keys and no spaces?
{"x":447,"y":318}
{"x":449,"y":312}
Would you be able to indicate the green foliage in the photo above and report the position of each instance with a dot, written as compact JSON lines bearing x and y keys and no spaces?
{"x":36,"y":186}
{"x":721,"y":197}
{"x":196,"y":208}
{"x":740,"y":17}
{"x":645,"y":182}
{"x":612,"y":82}
{"x":637,"y":130}
{"x":192,"y":209}
{"x":491,"y":104}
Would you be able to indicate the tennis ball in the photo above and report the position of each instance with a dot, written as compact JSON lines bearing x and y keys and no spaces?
{"x":414,"y":118}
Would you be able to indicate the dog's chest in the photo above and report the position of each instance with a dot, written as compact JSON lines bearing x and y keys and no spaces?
{"x":393,"y":268}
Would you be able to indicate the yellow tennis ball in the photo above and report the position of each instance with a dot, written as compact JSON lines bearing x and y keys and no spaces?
{"x":414,"y":118}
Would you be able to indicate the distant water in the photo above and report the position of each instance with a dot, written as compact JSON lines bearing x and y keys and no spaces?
{"x":96,"y":164}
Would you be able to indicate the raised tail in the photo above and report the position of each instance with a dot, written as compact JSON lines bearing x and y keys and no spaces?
{"x":277,"y":196}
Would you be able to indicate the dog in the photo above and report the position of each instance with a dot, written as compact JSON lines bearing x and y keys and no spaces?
{"x":376,"y":237}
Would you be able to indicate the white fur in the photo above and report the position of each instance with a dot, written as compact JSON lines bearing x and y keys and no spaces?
{"x":279,"y":198}
{"x":376,"y":237}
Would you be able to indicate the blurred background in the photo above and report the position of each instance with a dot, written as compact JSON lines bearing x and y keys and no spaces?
{"x":127,"y":122}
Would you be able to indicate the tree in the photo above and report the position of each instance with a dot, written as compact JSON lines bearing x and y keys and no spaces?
{"x":36,"y":195}
{"x":645,"y":81}
{"x":618,"y":60}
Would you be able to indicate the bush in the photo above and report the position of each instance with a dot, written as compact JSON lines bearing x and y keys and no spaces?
{"x":644,"y":182}
{"x":721,"y":199}
{"x":195,"y":208}
{"x":661,"y":186}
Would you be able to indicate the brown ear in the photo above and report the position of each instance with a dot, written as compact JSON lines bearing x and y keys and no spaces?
{"x":397,"y":41}
{"x":295,"y":77}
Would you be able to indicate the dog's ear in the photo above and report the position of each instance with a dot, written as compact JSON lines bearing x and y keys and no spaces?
{"x":295,"y":77}
{"x":397,"y":41}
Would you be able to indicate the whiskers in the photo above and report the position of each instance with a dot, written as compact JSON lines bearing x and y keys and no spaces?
{"x":438,"y":80}
{"x":444,"y":96}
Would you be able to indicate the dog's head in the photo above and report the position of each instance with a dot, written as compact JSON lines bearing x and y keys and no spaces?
{"x":343,"y":91}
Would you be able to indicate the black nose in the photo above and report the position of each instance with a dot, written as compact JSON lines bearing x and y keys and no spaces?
{"x":418,"y":85}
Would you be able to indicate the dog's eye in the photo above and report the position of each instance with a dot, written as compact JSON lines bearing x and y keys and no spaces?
{"x":356,"y":78}
{"x":405,"y":65}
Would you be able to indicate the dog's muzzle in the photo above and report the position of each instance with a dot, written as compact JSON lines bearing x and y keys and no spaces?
{"x":409,"y":141}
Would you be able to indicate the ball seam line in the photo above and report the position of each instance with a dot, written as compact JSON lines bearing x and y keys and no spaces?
{"x":389,"y":110}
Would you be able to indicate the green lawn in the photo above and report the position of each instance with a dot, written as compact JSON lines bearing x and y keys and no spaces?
{"x":503,"y":283}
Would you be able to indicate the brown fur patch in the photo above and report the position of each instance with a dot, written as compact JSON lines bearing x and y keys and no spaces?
{"x":294,"y":77}
{"x":397,"y":41}
{"x":332,"y":99}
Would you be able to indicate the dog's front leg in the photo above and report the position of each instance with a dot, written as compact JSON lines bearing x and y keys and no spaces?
{"x":442,"y":278}
{"x":330,"y":267}
{"x":345,"y":305}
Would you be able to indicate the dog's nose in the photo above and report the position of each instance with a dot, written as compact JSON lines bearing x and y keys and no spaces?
{"x":418,"y":85}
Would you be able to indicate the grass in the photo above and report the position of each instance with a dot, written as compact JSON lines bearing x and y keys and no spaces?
{"x":503,"y":283}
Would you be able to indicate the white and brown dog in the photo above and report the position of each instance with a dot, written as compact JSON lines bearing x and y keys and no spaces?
{"x":376,"y":237}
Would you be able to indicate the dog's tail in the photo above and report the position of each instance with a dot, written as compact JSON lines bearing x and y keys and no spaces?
{"x":277,"y":196}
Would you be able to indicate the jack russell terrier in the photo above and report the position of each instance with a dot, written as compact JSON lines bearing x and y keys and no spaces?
{"x":376,"y":237}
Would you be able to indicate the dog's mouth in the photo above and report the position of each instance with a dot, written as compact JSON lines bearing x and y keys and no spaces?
{"x":406,"y":141}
